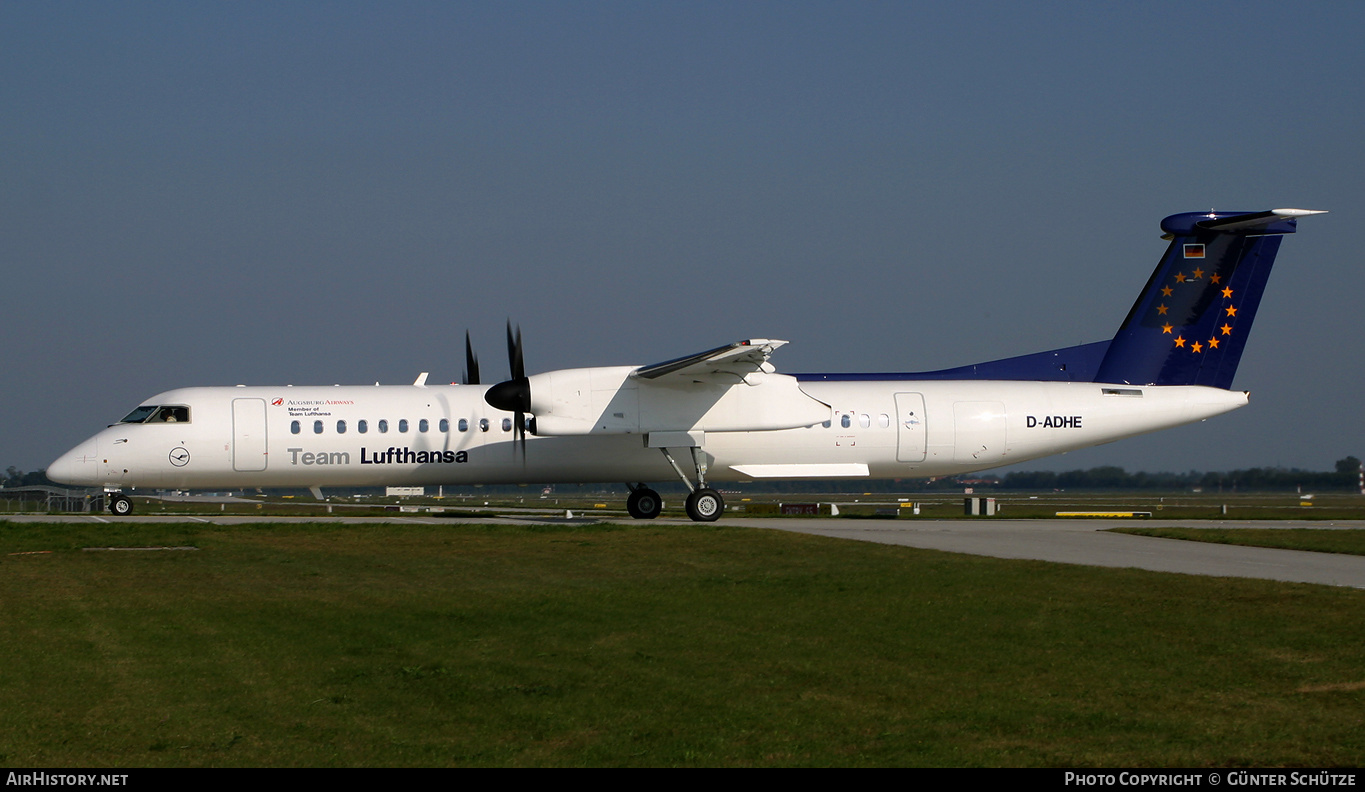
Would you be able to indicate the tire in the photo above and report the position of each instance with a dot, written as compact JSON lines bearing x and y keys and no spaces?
{"x":120,"y":506}
{"x":705,"y":505}
{"x":644,"y":504}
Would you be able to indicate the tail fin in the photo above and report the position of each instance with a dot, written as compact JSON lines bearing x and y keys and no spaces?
{"x":1190,"y":324}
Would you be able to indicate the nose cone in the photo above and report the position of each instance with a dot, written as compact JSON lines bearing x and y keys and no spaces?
{"x":76,"y":467}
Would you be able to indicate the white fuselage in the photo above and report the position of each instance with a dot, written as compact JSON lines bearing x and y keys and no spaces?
{"x":427,"y":435}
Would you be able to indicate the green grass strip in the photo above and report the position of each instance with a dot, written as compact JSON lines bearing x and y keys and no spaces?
{"x":1318,"y":540}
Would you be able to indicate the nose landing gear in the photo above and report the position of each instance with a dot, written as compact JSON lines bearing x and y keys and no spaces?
{"x":120,"y":505}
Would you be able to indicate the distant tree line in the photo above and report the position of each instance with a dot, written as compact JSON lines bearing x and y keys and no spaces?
{"x":14,"y":477}
{"x":1345,"y":477}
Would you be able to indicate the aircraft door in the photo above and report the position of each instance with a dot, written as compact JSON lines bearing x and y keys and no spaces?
{"x":979,"y":432}
{"x":248,"y":435}
{"x":910,"y":432}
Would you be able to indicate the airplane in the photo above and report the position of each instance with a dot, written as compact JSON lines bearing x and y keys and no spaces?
{"x":724,"y":414}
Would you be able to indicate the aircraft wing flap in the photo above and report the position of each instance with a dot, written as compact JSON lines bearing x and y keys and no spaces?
{"x":739,"y":358}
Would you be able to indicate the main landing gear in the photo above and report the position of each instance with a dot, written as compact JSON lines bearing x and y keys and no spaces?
{"x":644,"y":503}
{"x":703,"y":504}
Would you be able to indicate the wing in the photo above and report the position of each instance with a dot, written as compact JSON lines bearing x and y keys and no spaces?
{"x":727,"y":389}
{"x":738,"y":359}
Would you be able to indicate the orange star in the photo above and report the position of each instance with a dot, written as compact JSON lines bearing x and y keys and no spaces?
{"x":1179,"y":341}
{"x":1213,"y":343}
{"x":1161,"y":309}
{"x":1197,"y":347}
{"x":1180,"y":277}
{"x":1215,"y":278}
{"x":1166,"y":328}
{"x":1227,"y":293}
{"x":1198,"y":273}
{"x":1166,"y":291}
{"x":1227,"y":329}
{"x":1232,"y":311}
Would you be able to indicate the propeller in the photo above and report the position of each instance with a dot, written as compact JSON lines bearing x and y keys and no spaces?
{"x":471,"y":363}
{"x":514,"y":395}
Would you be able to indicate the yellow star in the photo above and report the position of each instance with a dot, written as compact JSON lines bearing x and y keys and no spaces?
{"x":1198,"y":273}
{"x":1227,"y":293}
{"x":1213,"y":343}
{"x":1166,"y":291}
{"x":1180,"y":277}
{"x":1179,"y":341}
{"x":1232,"y":311}
{"x":1197,"y":347}
{"x":1227,"y":329}
{"x":1161,"y":309}
{"x":1215,"y":278}
{"x":1166,"y":328}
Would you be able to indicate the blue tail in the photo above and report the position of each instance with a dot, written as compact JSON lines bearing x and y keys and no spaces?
{"x":1190,"y":324}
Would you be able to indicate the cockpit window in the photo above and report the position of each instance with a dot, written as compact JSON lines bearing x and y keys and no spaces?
{"x":140,"y":414}
{"x":149,"y":413}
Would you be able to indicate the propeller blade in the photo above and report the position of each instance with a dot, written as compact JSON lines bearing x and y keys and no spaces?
{"x":514,"y":395}
{"x":471,"y":363}
{"x":515,"y":362}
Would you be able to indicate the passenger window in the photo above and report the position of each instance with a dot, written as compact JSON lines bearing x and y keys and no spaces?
{"x":293,"y":427}
{"x":507,"y":424}
{"x":362,"y":426}
{"x":422,"y":425}
{"x":884,"y":420}
{"x":483,"y":424}
{"x":845,"y":421}
{"x":864,"y":420}
{"x":383,"y":426}
{"x":341,"y":427}
{"x":317,"y":427}
{"x":445,"y":425}
{"x":464,"y":425}
{"x":402,"y":424}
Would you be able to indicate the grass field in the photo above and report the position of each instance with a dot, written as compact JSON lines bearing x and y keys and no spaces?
{"x":387,"y":645}
{"x":1317,"y":540}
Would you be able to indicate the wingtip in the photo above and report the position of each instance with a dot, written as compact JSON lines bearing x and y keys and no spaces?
{"x":1297,"y":212}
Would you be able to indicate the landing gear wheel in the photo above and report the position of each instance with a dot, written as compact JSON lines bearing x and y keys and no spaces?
{"x":705,"y":505}
{"x":644,"y":504}
{"x":120,"y":506}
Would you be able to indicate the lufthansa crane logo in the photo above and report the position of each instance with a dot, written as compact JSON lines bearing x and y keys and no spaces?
{"x":180,"y":457}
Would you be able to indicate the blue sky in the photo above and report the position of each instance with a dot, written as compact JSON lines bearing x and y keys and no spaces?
{"x":269,"y":193}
